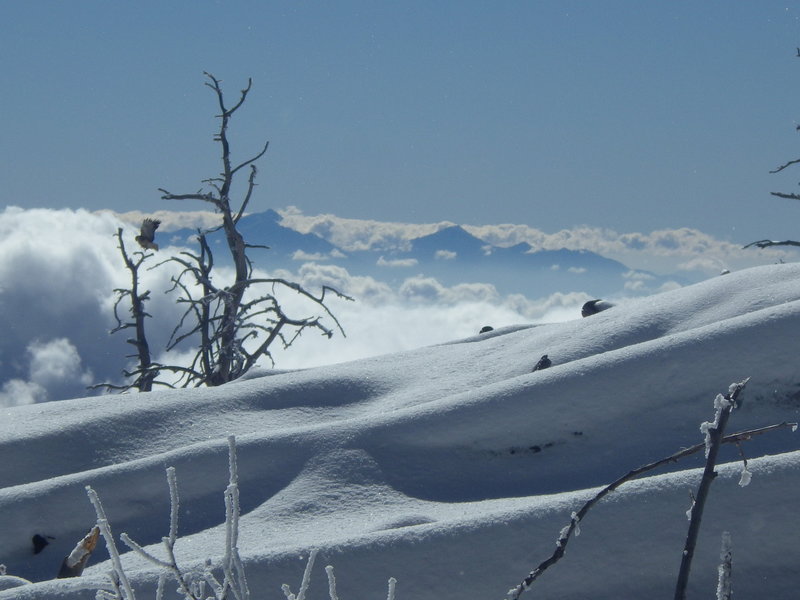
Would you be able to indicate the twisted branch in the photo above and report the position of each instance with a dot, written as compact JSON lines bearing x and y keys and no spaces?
{"x":566,"y":533}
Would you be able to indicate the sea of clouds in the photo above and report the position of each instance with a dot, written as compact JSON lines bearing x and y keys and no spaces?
{"x":59,"y":270}
{"x":662,"y":251}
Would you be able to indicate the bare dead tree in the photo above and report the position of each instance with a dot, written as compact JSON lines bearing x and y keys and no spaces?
{"x":223,"y":318}
{"x":146,"y":371}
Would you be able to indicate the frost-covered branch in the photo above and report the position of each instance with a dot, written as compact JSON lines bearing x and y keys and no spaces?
{"x":714,"y":433}
{"x":567,"y":532}
{"x":232,"y":565}
{"x":301,"y":593}
{"x":192,"y":585}
{"x":234,"y":585}
{"x":724,"y":587}
{"x":119,"y":579}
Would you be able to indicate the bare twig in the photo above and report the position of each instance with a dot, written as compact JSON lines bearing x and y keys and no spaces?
{"x":785,"y":195}
{"x":118,"y":578}
{"x":788,"y":164}
{"x":767,"y":243}
{"x":724,"y":405}
{"x":566,"y":532}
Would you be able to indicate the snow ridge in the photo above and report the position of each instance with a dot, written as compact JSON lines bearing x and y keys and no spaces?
{"x":451,"y":467}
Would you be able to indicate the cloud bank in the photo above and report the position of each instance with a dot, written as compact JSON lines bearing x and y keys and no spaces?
{"x":59,"y":270}
{"x":53,"y":365}
{"x":662,"y":251}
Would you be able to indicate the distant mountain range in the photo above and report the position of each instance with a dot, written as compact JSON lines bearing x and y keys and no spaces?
{"x":451,"y":255}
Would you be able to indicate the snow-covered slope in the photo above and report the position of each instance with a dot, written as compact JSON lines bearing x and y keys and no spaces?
{"x":451,"y":468}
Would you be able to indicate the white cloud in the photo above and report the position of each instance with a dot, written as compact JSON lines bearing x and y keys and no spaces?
{"x":635,"y":285}
{"x":662,"y":251}
{"x":703,"y":263}
{"x":55,"y":362}
{"x":358,"y":234}
{"x":309,"y":256}
{"x":638,"y":275}
{"x":424,"y":312}
{"x":60,"y":267}
{"x":16,"y":392}
{"x":421,"y":311}
{"x":577,"y":270}
{"x":668,"y":286}
{"x":445,"y":255}
{"x":428,"y":289}
{"x":313,"y":276}
{"x":397,"y":262}
{"x":54,"y":371}
{"x":58,"y":270}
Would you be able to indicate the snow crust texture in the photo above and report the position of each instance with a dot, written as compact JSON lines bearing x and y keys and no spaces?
{"x":451,"y":468}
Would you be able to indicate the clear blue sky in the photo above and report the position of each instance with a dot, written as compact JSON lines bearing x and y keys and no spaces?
{"x":625,"y":114}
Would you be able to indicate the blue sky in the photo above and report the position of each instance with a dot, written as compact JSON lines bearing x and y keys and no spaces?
{"x":623,"y":114}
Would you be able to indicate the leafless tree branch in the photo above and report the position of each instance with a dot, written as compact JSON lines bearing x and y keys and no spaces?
{"x":787,"y":196}
{"x":767,"y":243}
{"x":567,"y":532}
{"x":788,"y":164}
{"x":715,"y":433}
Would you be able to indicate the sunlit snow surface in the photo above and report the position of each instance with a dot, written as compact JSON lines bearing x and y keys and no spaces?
{"x":451,"y":468}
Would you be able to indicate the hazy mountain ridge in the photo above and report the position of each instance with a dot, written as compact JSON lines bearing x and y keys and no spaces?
{"x":451,"y":255}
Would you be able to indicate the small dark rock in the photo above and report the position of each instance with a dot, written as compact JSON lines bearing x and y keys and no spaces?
{"x":543,"y":363}
{"x":592,"y":307}
{"x":39,"y":542}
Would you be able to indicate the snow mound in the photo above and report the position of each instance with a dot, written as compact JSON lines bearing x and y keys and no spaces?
{"x":452,"y":467}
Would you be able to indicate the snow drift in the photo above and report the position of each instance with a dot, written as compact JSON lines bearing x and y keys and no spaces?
{"x":451,"y":467}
